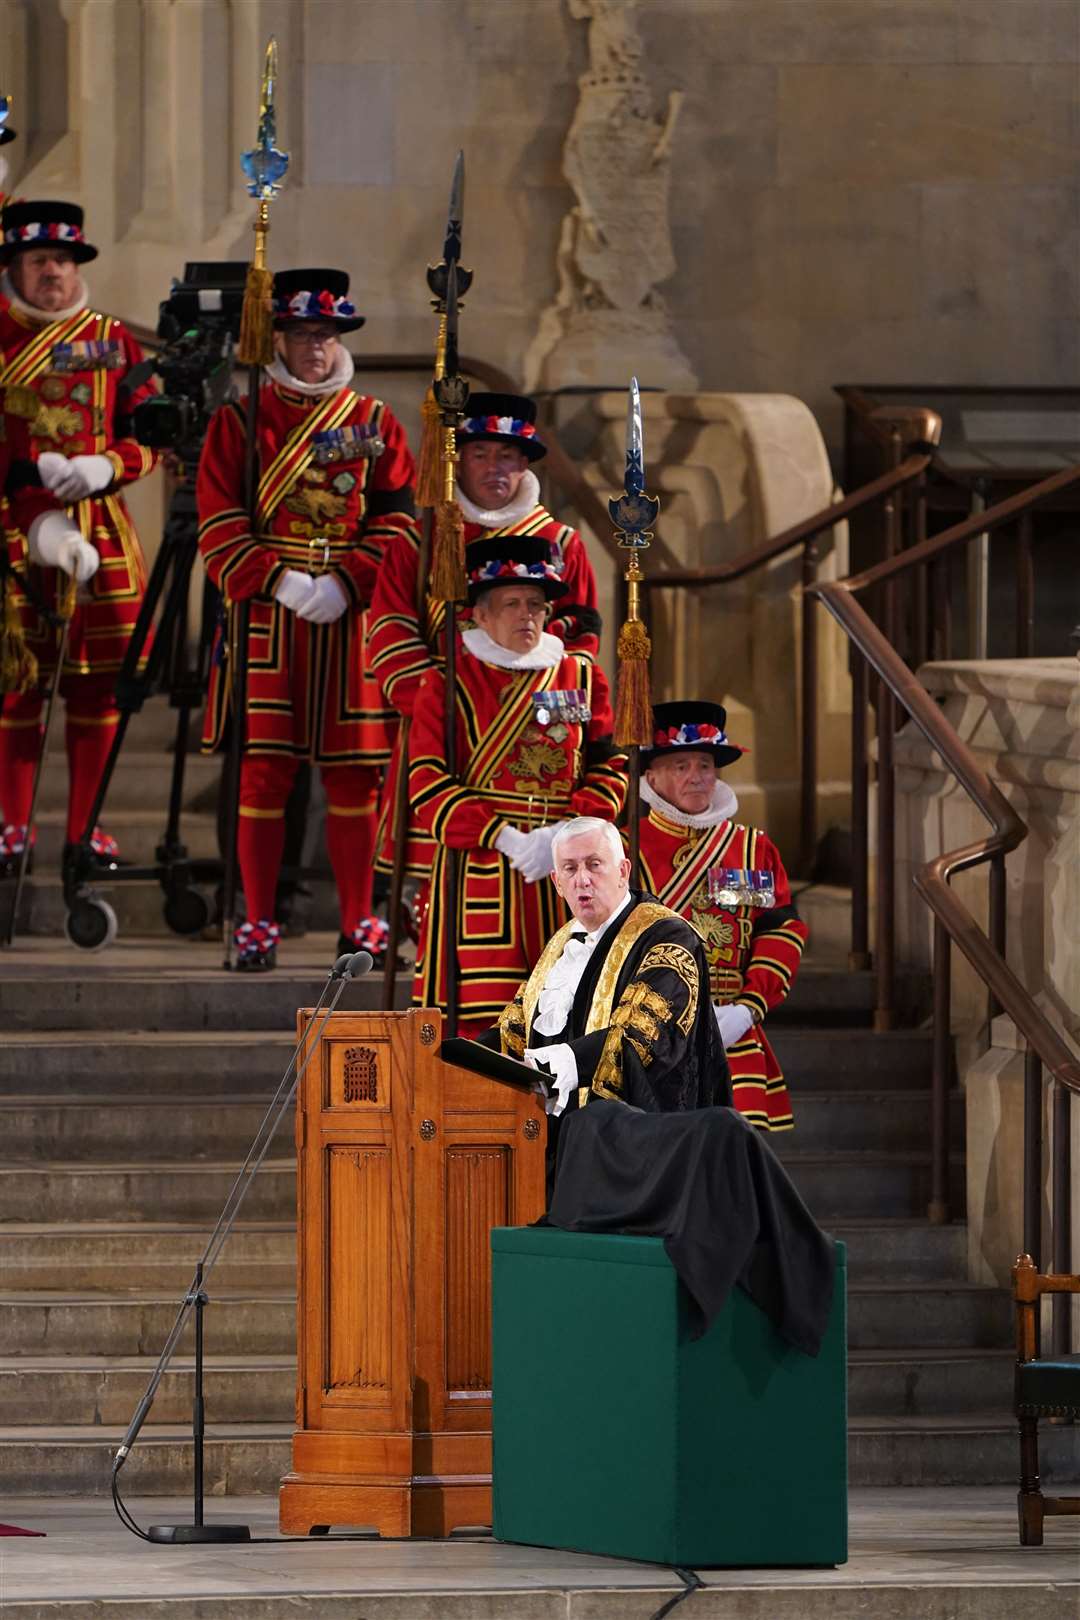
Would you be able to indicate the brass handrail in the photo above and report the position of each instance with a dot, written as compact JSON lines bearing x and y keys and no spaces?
{"x":798,"y":534}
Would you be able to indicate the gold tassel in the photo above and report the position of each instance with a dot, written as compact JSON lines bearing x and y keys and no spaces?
{"x":256,"y":344}
{"x":633,"y":704}
{"x":18,"y":666}
{"x":448,"y":562}
{"x":429,"y":476}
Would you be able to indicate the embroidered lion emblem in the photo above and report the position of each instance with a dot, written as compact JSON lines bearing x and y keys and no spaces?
{"x":57,"y":422}
{"x":535,"y":762}
{"x":318,"y":506}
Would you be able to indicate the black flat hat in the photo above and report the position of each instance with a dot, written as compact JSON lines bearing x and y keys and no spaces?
{"x":505,"y":419}
{"x":516,"y":559}
{"x":682,"y":725}
{"x":28,"y":225}
{"x":314,"y":295}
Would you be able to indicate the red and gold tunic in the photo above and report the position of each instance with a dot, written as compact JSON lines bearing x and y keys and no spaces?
{"x":753,"y":953}
{"x":512,"y":771}
{"x":61,"y":382}
{"x":401,"y":654}
{"x":334,"y":489}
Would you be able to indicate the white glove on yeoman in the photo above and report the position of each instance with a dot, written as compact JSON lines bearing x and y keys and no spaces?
{"x":326,"y":603}
{"x":54,"y":542}
{"x":535,"y":860}
{"x":564,"y":1076}
{"x":512,"y":843}
{"x":73,"y":478}
{"x":293,"y":589}
{"x":733,"y":1021}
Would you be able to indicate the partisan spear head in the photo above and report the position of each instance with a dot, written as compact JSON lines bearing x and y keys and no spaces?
{"x":438,"y":274}
{"x":451,"y":390}
{"x":634,"y":513}
{"x":6,"y":104}
{"x":265,"y":165}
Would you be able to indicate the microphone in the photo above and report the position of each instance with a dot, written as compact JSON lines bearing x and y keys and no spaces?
{"x":352,"y":965}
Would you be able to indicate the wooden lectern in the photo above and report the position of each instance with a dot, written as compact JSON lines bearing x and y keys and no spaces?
{"x":404,"y":1164}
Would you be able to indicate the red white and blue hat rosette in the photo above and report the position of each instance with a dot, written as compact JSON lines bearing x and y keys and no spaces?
{"x":502,"y":419}
{"x":517,"y":559}
{"x":28,"y":225}
{"x":314,"y":295}
{"x":682,"y":726}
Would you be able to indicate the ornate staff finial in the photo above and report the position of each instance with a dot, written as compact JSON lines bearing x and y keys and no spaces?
{"x":264,"y":167}
{"x":430,"y":474}
{"x":633,"y":515}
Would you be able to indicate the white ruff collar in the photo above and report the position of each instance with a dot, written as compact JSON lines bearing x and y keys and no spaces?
{"x":340,"y":377}
{"x":724,"y":807}
{"x":548,"y":651}
{"x":44,"y":316}
{"x":527,"y":497}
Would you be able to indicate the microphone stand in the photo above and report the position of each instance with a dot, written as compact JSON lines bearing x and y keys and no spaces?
{"x":347,"y":967}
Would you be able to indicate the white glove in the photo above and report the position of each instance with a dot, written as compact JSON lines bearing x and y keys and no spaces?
{"x":326,"y":603}
{"x":733,"y":1021}
{"x":528,"y":853}
{"x":73,"y":478}
{"x":511,"y":843}
{"x":564,"y":1076}
{"x":55,"y":542}
{"x":293,"y":589}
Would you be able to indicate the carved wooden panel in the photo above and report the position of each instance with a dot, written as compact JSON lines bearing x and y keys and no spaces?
{"x":358,"y":1305}
{"x":477,"y":1198}
{"x":358,"y":1075}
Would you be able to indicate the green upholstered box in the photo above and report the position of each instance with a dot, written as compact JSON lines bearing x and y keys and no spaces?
{"x":615,"y":1433}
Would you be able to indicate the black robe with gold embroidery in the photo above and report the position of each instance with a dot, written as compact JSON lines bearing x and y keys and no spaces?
{"x":641,"y":1025}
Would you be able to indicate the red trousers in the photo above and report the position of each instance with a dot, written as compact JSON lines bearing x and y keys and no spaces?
{"x":352,"y":793}
{"x":91,"y":719}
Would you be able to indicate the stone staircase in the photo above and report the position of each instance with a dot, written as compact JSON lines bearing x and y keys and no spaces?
{"x":132,"y":1081}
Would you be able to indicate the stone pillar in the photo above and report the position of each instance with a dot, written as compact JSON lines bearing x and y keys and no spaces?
{"x":731,"y":470}
{"x":1020,"y":716}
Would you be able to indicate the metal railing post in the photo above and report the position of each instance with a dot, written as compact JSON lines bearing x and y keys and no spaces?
{"x":859,"y":957}
{"x":996,"y":922}
{"x":1025,"y":589}
{"x":938,"y":1211}
{"x":885,"y":919}
{"x":1033,"y":1156}
{"x":1061,"y":1214}
{"x":978,"y":577}
{"x":809,"y":741}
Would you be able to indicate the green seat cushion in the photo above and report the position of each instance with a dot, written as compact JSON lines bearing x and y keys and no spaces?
{"x":1049,"y":1387}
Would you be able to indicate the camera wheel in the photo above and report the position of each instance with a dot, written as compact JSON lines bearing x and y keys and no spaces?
{"x":186,"y":911}
{"x":90,"y":923}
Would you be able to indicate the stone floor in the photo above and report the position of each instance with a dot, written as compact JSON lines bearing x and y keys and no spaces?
{"x":915,"y":1555}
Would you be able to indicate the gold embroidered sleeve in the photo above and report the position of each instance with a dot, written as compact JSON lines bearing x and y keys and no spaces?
{"x":512,"y":1028}
{"x":681,"y":962}
{"x":639,"y":1019}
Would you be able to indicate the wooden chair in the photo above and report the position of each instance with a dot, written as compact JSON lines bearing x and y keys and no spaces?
{"x":1045,"y":1387}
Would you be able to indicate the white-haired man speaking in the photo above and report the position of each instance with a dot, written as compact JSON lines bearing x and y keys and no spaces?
{"x":618,"y":1004}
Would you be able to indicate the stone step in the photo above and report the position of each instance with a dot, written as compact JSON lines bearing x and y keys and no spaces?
{"x":871,"y":1120}
{"x":175,"y":1126}
{"x":105,"y":1389}
{"x":132,"y":1193}
{"x":901,"y":1251}
{"x":141,"y":781}
{"x":84,"y":1257}
{"x":139,"y":906}
{"x":156,"y":1129}
{"x":238,"y":1322}
{"x":44,"y":1321}
{"x":827,"y":995}
{"x":98,"y":991}
{"x":931,"y":1314}
{"x":138,"y":832}
{"x":864,"y":1184}
{"x":248,"y":1458}
{"x":852,"y":1059}
{"x":205,"y":1063}
{"x":919,"y":1382}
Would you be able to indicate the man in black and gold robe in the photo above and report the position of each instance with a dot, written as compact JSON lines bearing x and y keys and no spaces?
{"x":618,"y":1005}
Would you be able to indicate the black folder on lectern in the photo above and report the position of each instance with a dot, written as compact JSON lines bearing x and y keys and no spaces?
{"x":479,"y":1059}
